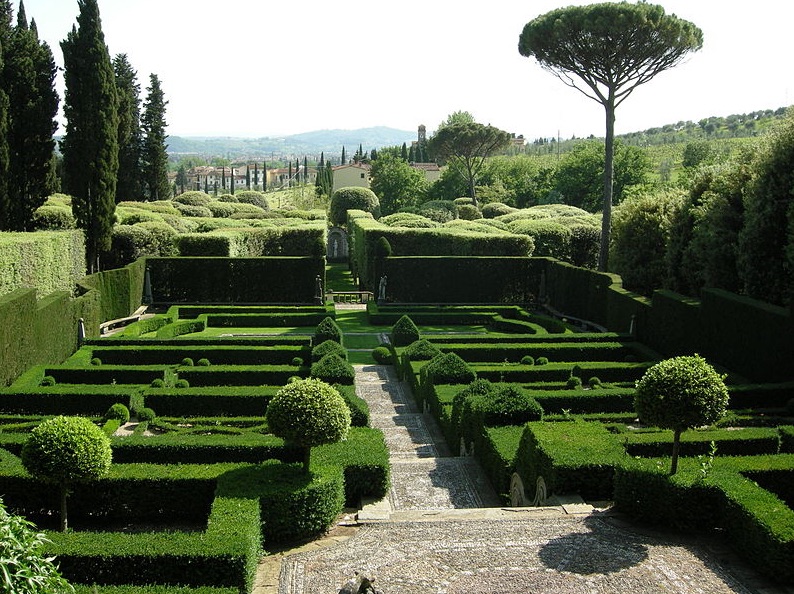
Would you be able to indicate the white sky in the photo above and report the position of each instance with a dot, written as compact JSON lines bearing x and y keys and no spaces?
{"x":263,"y":68}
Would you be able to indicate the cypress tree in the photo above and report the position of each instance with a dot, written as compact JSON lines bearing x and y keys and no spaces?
{"x":5,"y":34}
{"x":289,"y":175}
{"x":223,"y":177}
{"x":155,"y":157}
{"x":404,"y":152}
{"x":264,"y":176}
{"x":344,"y":159}
{"x":90,"y":145}
{"x":305,"y":170}
{"x":247,"y":177}
{"x":129,"y":185}
{"x":29,"y":80}
{"x":256,"y":175}
{"x":231,"y":178}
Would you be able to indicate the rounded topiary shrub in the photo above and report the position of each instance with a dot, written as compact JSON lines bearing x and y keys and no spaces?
{"x":96,"y":361}
{"x":447,"y":368}
{"x":118,"y":411}
{"x":328,"y":347}
{"x":48,"y":380}
{"x":404,"y":332}
{"x":203,"y":362}
{"x":527,"y":360}
{"x":187,"y":362}
{"x":479,"y":387}
{"x":66,"y":450}
{"x":328,"y":329}
{"x":193,"y":198}
{"x":469,"y":212}
{"x":334,"y":370}
{"x":573,"y":383}
{"x":53,"y":218}
{"x":308,"y":413}
{"x":146,"y":414}
{"x":382,"y":248}
{"x":253,"y":197}
{"x":181,"y":383}
{"x":594,"y":382}
{"x":506,"y":405}
{"x":157,"y":383}
{"x":382,"y":355}
{"x":679,"y":394}
{"x":496,"y":209}
{"x":352,"y":198}
{"x":542,"y":361}
{"x":297,"y":361}
{"x":421,"y":350}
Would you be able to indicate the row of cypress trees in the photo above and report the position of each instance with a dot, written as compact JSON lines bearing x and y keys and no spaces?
{"x":111,"y":151}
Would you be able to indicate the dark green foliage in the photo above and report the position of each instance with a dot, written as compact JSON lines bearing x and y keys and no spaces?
{"x":227,"y":280}
{"x":187,"y":362}
{"x":298,"y":362}
{"x":352,"y":198}
{"x":383,"y":248}
{"x":154,"y":158}
{"x":203,"y":362}
{"x":396,"y":183}
{"x":96,"y":361}
{"x":769,"y":219}
{"x":594,"y":382}
{"x":573,"y":383}
{"x":181,"y":383}
{"x":90,"y":144}
{"x":679,"y":394}
{"x":447,"y":368}
{"x":333,"y":369}
{"x":129,"y":186}
{"x":549,"y":237}
{"x":308,"y":413}
{"x":146,"y":414}
{"x":118,"y":411}
{"x":382,"y":355}
{"x":27,"y":70}
{"x":478,"y":388}
{"x":421,"y":350}
{"x":48,"y":380}
{"x":328,"y":347}
{"x":328,"y":329}
{"x":527,"y":360}
{"x":65,"y":450}
{"x":157,"y":383}
{"x":359,"y":409}
{"x":404,"y":332}
{"x":542,"y":361}
{"x":641,"y":228}
{"x":504,"y":405}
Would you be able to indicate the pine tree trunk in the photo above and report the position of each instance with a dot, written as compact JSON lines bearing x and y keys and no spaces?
{"x":609,"y":182}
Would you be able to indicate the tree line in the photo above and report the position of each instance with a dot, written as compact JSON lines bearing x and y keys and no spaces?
{"x":113,"y":148}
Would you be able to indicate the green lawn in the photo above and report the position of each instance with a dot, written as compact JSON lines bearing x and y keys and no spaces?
{"x":338,"y":278}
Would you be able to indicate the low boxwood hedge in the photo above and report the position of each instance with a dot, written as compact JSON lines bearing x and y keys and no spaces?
{"x":144,"y":354}
{"x":220,"y":401}
{"x":736,"y":441}
{"x":240,"y":375}
{"x":67,"y":399}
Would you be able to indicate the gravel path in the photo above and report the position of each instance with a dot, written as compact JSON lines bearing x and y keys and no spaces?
{"x":444,"y":533}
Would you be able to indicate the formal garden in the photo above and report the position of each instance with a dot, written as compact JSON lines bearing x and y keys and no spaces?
{"x":535,"y":370}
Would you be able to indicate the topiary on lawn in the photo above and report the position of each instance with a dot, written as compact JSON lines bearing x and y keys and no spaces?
{"x":447,"y":368}
{"x":334,"y":370}
{"x":118,"y":411}
{"x":382,"y":355}
{"x":404,"y":332}
{"x":328,"y":347}
{"x":352,"y":198}
{"x":679,"y":394}
{"x":308,"y":413}
{"x":421,"y":350}
{"x":328,"y":329}
{"x":67,"y":450}
{"x":146,"y":414}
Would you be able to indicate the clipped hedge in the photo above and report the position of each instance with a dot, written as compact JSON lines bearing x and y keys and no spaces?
{"x":229,"y":280}
{"x":47,"y":261}
{"x":572,"y":457}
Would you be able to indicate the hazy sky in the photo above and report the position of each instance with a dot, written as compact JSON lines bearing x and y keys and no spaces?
{"x":263,"y":68}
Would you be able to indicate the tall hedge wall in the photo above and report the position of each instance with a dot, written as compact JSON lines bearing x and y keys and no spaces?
{"x":46,"y":260}
{"x":747,"y":336}
{"x":365,"y":233}
{"x":235,"y":280}
{"x":474,"y":279}
{"x":44,"y":331}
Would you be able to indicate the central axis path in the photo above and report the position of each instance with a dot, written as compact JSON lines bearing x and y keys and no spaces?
{"x":424,"y":476}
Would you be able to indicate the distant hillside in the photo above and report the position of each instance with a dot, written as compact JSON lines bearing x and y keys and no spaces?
{"x":310,"y":144}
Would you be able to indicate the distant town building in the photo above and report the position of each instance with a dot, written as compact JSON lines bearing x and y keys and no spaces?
{"x":351,"y":174}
